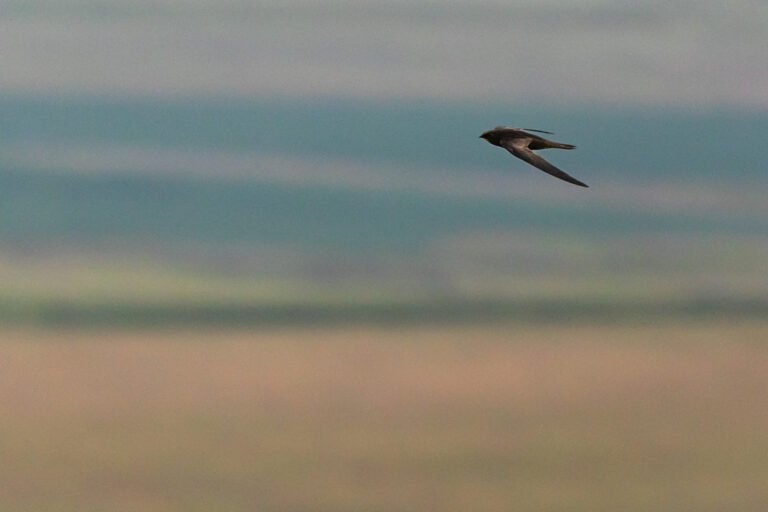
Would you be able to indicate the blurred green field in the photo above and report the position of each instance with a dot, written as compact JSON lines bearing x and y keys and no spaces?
{"x":570,"y":417}
{"x":477,"y":280}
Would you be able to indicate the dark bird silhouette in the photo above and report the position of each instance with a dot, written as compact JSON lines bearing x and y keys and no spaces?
{"x":521,"y":144}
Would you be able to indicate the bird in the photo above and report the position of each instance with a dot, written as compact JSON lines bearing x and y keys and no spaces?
{"x":521,"y":144}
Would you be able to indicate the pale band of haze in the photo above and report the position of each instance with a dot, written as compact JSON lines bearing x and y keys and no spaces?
{"x":689,"y":53}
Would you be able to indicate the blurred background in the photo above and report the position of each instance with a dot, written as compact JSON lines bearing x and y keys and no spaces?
{"x":253,"y":255}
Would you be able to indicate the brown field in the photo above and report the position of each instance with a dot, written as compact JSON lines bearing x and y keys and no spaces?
{"x":475,"y":418}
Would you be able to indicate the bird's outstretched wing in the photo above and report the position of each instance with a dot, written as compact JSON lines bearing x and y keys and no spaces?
{"x":519,"y":148}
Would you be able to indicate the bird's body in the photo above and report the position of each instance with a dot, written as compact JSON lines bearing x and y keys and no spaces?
{"x":521,"y":144}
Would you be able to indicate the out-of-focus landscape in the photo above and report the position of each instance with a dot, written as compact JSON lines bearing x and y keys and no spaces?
{"x":348,"y":418}
{"x":253,"y":255}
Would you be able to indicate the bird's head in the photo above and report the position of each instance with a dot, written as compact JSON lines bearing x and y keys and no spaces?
{"x":491,"y":136}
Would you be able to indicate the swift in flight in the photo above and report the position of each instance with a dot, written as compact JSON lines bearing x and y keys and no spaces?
{"x":521,"y":143}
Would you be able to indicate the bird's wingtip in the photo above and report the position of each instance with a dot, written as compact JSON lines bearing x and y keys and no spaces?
{"x":540,"y":131}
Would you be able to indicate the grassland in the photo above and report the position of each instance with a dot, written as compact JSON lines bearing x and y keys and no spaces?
{"x":574,"y":417}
